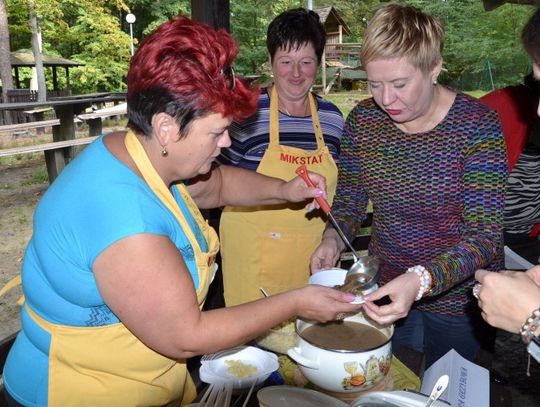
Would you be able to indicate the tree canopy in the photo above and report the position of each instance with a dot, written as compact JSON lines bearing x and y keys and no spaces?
{"x":482,"y":48}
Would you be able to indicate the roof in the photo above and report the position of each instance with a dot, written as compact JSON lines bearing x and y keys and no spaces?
{"x":331,"y":19}
{"x":25,"y":57}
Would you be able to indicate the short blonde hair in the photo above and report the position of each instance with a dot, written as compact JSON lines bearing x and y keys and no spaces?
{"x":400,"y":31}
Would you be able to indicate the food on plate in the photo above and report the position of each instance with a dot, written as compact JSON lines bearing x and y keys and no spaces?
{"x":239,"y":369}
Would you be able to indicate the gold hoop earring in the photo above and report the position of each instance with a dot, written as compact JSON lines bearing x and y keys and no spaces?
{"x":164,"y":152}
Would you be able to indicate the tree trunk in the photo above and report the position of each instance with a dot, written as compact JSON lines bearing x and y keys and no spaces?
{"x":5,"y":58}
{"x":36,"y":49}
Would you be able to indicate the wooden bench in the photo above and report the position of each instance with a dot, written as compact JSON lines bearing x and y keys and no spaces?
{"x":56,"y":153}
{"x":23,"y":127}
{"x":94,"y":119}
{"x":38,"y":115}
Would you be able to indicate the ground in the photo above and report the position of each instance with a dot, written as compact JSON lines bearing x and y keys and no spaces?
{"x":18,"y":197}
{"x":23,"y":180}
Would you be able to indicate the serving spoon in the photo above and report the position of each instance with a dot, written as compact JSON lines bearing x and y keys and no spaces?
{"x":364,"y":273}
{"x":438,"y":389}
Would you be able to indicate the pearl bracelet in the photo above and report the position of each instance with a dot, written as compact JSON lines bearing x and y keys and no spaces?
{"x":530,"y":325}
{"x":425,"y":280}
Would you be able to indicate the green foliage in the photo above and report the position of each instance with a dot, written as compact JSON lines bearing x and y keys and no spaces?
{"x":482,"y":48}
{"x":87,"y":31}
{"x":249,"y":21}
{"x":150,"y":13}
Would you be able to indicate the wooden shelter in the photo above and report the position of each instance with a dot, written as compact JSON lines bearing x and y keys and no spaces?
{"x":335,"y":28}
{"x":338,"y":56}
{"x":25,"y":58}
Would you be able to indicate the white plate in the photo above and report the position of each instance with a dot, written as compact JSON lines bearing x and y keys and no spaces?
{"x":398,"y":398}
{"x":215,"y":370}
{"x":287,"y":396}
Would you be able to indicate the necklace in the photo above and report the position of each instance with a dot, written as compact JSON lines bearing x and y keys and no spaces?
{"x":306,"y":106}
{"x":282,"y":107}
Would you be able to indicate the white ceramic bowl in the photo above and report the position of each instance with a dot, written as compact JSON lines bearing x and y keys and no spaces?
{"x":214,"y":368}
{"x":343,"y":371}
{"x":328,"y":278}
{"x":333,"y":277}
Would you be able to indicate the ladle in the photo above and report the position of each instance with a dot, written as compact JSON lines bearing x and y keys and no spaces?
{"x":364,"y":273}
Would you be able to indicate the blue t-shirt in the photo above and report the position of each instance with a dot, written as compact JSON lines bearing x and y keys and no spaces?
{"x":96,"y":201}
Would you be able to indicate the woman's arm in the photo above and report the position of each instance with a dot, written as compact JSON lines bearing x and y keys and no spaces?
{"x":508,"y":298}
{"x":145,"y":282}
{"x":226,"y":185}
{"x":484,"y":185}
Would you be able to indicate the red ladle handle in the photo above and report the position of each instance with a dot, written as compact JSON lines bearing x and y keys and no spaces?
{"x":303,"y":173}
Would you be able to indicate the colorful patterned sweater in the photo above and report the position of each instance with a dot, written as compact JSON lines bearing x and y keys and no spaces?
{"x":437,"y":196}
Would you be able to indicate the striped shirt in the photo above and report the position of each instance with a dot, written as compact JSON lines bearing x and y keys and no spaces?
{"x":437,"y":196}
{"x":522,"y":208}
{"x":250,"y":138}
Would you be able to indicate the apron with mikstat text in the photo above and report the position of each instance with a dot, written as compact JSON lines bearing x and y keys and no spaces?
{"x":108,"y":365}
{"x":270,"y":246}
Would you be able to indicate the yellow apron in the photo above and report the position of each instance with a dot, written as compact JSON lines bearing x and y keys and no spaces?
{"x":108,"y":365}
{"x":271,"y":246}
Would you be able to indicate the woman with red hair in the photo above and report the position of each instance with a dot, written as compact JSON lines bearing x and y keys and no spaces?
{"x":120,"y":261}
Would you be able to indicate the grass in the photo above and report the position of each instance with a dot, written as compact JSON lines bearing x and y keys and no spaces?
{"x":39,"y":176}
{"x":346,"y":100}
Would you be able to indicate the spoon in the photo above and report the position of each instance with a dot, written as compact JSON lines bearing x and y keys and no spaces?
{"x":364,"y":273}
{"x":323,"y":203}
{"x":438,"y":389}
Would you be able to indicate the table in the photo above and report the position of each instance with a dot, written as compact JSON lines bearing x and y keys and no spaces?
{"x":500,"y":395}
{"x":401,"y":376}
{"x":66,"y":107}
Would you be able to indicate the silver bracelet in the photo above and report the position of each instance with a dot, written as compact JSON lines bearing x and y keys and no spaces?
{"x":425,"y":280}
{"x":530,"y":325}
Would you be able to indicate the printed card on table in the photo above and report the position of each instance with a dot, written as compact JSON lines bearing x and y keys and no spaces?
{"x":468,"y":385}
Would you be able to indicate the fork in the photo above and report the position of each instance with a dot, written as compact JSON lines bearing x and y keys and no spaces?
{"x":206,"y":394}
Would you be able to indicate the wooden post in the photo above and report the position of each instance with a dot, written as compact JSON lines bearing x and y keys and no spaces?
{"x":95,"y":127}
{"x":56,"y":160}
{"x":68,"y":84}
{"x":54,"y":78}
{"x":212,"y":12}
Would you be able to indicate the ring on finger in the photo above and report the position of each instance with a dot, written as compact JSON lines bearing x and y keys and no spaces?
{"x":476,"y":290}
{"x":340,"y":316}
